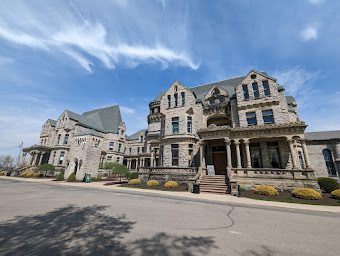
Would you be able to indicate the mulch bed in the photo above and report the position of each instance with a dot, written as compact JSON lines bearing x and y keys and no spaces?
{"x":327,"y":198}
{"x":161,"y":187}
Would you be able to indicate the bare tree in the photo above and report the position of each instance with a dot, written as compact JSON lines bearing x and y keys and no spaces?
{"x":6,"y":161}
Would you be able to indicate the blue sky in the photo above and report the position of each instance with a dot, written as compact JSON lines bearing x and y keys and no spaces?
{"x":80,"y":55}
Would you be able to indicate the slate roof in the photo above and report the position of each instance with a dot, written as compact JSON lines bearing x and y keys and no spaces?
{"x":326,"y":135}
{"x":52,"y":122}
{"x":89,"y":132}
{"x":158,"y":97}
{"x":105,"y":120}
{"x":135,"y":136}
{"x":290,"y":100}
{"x":227,"y":85}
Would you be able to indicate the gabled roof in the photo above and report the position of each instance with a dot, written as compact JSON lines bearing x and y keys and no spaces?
{"x":135,"y":136}
{"x":52,"y":122}
{"x":290,"y":100}
{"x":326,"y":135}
{"x":227,"y":85}
{"x":106,"y":120}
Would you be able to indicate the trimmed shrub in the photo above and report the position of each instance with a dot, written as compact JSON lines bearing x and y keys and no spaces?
{"x":37,"y":175}
{"x":336,"y":193}
{"x":60,"y":176}
{"x":171,"y":184}
{"x":243,"y":189}
{"x":96,"y":179}
{"x":24,"y":174}
{"x":72,"y":177}
{"x":30,"y":174}
{"x":306,"y":193}
{"x":328,"y":184}
{"x":3,"y":173}
{"x":152,"y":183}
{"x":266,"y":190}
{"x":134,"y":182}
{"x":106,"y":174}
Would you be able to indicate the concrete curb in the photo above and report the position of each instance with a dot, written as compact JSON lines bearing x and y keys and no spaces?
{"x":203,"y":197}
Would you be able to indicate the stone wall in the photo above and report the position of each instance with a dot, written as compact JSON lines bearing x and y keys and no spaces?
{"x":180,"y":175}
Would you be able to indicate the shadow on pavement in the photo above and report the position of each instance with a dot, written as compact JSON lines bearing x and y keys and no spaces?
{"x":75,"y":230}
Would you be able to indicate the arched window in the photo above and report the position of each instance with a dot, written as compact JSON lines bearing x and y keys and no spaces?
{"x":327,"y":155}
{"x":216,"y":91}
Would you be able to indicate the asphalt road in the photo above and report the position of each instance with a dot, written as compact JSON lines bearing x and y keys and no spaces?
{"x":47,"y":219}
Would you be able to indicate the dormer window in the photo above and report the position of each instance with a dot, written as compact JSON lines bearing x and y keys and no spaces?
{"x":221,"y":99}
{"x":183,"y":98}
{"x":58,"y":141}
{"x":141,"y":138}
{"x":216,"y":91}
{"x":211,"y":101}
{"x":169,"y":101}
{"x":253,"y":76}
{"x":176,"y":99}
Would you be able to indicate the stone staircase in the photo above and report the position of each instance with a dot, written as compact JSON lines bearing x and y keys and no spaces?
{"x":214,"y":184}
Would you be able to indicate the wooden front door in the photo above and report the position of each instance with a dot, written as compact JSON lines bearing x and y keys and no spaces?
{"x":220,"y":162}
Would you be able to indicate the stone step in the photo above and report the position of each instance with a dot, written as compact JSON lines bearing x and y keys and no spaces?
{"x":215,"y":186}
{"x":217,"y":191}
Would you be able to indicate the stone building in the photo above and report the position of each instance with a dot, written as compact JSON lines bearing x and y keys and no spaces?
{"x":244,"y":130}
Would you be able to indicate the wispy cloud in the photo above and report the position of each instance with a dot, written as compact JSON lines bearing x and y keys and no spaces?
{"x":309,"y":33}
{"x":316,"y":2}
{"x":127,"y":110}
{"x":80,"y":38}
{"x":6,"y":60}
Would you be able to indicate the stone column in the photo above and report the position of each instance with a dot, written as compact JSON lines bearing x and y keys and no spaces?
{"x":29,"y":162}
{"x":41,"y":158}
{"x":34,"y":158}
{"x":22,"y":159}
{"x":264,"y":155}
{"x":227,"y":145}
{"x":305,"y":154}
{"x":246,"y":144}
{"x":129,"y":163}
{"x":152,"y":158}
{"x":238,"y":155}
{"x":202,"y":157}
{"x":137,"y":163}
{"x":293,"y":154}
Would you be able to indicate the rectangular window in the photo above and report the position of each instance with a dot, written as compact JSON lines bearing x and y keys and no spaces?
{"x":169,"y":101}
{"x":183,"y":98}
{"x":118,"y":159}
{"x":245,"y":92}
{"x":174,"y":154}
{"x":109,"y":159}
{"x":112,"y":144}
{"x":142,"y":149}
{"x":141,"y":138}
{"x":138,"y":150}
{"x":176,"y":99}
{"x":211,"y":101}
{"x":54,"y":154}
{"x":66,"y":139}
{"x":221,"y":99}
{"x":58,"y":141}
{"x":130,"y":151}
{"x":266,"y":88}
{"x":119,"y":147}
{"x":251,"y":118}
{"x":268,"y":117}
{"x":175,"y":124}
{"x":256,"y":91}
{"x":61,"y":158}
{"x":189,"y":124}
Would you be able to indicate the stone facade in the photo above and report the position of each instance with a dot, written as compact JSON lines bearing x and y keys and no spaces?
{"x":239,"y":126}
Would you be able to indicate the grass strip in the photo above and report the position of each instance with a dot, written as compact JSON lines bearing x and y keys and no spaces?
{"x":292,"y":202}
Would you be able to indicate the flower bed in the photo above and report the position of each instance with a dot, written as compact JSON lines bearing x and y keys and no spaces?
{"x":160,"y":187}
{"x":327,"y":198}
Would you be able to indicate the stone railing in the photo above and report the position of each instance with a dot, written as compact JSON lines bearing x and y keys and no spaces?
{"x":269,"y":173}
{"x":163,"y":174}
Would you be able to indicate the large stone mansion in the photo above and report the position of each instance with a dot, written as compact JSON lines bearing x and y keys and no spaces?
{"x":244,"y":129}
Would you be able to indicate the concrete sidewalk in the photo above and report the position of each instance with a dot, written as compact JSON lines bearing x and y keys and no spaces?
{"x":202,"y":197}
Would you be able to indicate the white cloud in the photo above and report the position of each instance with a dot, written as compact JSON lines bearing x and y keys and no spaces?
{"x":127,"y":110}
{"x":82,"y":39}
{"x":316,"y":2}
{"x":309,"y":33}
{"x":6,"y":60}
